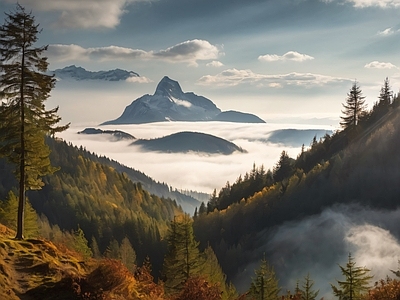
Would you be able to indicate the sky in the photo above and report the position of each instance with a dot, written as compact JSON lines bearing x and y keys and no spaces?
{"x":277,"y":59}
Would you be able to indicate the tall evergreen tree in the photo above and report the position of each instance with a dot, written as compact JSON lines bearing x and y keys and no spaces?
{"x":214,"y":274}
{"x":355,"y":284}
{"x":182,"y":260}
{"x":128,"y":254}
{"x":386,"y":95}
{"x":24,"y":87}
{"x":354,"y":108}
{"x":283,"y":168}
{"x":265,"y":285}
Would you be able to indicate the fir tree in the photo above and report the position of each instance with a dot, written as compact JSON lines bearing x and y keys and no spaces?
{"x":182,"y":260}
{"x":128,"y":254}
{"x":386,"y":95}
{"x":354,"y":108}
{"x":307,"y":293}
{"x":214,"y":274}
{"x":283,"y":168}
{"x":24,"y":87}
{"x":355,"y":284}
{"x":265,"y":285}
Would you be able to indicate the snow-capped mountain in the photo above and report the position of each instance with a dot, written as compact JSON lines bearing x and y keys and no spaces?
{"x":168,"y":103}
{"x":79,"y":73}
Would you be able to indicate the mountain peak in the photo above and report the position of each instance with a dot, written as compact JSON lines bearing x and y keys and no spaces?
{"x":169,"y":87}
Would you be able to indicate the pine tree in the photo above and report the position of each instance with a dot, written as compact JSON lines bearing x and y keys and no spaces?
{"x":307,"y":293}
{"x":386,"y":95}
{"x":24,"y":87}
{"x":355,"y":284}
{"x":80,"y":244}
{"x":182,"y":260}
{"x":265,"y":285}
{"x":128,"y":254}
{"x":283,"y":168}
{"x":354,"y":108}
{"x":214,"y":274}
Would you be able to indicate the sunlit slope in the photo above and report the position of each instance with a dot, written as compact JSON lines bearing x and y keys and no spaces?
{"x":105,"y":203}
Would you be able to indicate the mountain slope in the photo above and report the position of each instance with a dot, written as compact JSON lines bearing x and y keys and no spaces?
{"x":237,"y":117}
{"x":366,"y":172}
{"x":189,"y":142}
{"x":168,"y":103}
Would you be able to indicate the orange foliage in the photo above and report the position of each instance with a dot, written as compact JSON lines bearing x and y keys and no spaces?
{"x":197,"y":288}
{"x":388,"y":289}
{"x":146,"y":284}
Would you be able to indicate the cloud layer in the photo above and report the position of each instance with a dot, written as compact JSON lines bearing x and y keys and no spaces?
{"x":189,"y":52}
{"x":380,"y":65}
{"x":234,"y":77}
{"x":288,"y":56}
{"x":81,"y":14}
{"x":317,"y":244}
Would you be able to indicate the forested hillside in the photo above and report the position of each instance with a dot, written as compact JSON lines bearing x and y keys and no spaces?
{"x":360,"y":164}
{"x":103,"y":202}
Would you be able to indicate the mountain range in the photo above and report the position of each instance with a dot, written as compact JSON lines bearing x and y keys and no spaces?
{"x":170,"y":103}
{"x":79,"y":74}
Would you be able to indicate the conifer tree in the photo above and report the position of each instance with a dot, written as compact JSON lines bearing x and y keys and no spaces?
{"x":24,"y":87}
{"x":265,"y":285}
{"x":214,"y":274}
{"x":80,"y":243}
{"x":307,"y":293}
{"x":128,"y":254}
{"x":386,"y":95}
{"x":355,"y":284}
{"x":354,"y":108}
{"x":283,"y":168}
{"x":182,"y":260}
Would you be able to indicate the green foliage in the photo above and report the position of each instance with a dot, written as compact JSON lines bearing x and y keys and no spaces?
{"x":24,"y":87}
{"x":215,"y":275}
{"x":355,"y":283}
{"x":8,"y":215}
{"x":182,"y":260}
{"x":264,"y":285}
{"x":80,"y":244}
{"x":128,"y":254}
{"x":307,"y":292}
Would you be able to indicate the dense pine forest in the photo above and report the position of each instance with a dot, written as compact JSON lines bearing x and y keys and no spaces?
{"x":78,"y":226}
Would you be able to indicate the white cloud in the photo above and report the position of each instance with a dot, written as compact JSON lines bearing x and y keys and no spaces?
{"x":375,"y":3}
{"x":291,"y":55}
{"x":234,"y":77}
{"x":380,"y":65}
{"x":386,"y":32}
{"x":369,"y":3}
{"x":141,"y":79}
{"x":215,"y":64}
{"x":81,"y":14}
{"x":189,"y":51}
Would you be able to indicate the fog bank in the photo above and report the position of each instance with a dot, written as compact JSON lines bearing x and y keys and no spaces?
{"x":316,"y":245}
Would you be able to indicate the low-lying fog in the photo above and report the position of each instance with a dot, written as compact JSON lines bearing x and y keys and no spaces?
{"x":319,"y":244}
{"x":193,"y":171}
